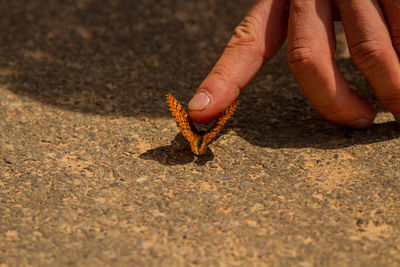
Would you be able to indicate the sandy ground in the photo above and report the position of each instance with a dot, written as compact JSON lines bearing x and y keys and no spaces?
{"x":93,"y":170}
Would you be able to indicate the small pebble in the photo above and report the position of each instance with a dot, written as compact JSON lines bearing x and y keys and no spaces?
{"x":63,"y":136}
{"x":141,"y":179}
{"x":115,"y":173}
{"x":92,"y":135}
{"x":84,"y":157}
{"x":10,"y":160}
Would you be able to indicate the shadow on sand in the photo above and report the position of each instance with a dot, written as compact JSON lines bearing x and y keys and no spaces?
{"x":121,"y":57}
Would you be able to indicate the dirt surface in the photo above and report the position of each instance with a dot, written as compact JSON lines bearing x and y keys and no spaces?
{"x":93,"y":170}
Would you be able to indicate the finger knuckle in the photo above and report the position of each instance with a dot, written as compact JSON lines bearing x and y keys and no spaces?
{"x":245,"y":32}
{"x":248,"y":34}
{"x":331,"y":111}
{"x":367,"y":55}
{"x":300,"y":6}
{"x":300,"y":58}
{"x":220,"y":73}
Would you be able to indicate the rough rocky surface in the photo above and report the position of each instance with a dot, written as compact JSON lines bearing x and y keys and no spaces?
{"x":93,"y":170}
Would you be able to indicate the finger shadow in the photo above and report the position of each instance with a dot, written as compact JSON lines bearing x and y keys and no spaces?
{"x":110,"y":57}
{"x":121,"y":57}
{"x":177,"y":153}
{"x":313,"y":133}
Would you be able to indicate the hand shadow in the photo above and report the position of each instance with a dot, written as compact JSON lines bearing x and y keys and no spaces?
{"x":177,"y":153}
{"x":315,"y":133}
{"x":74,"y":59}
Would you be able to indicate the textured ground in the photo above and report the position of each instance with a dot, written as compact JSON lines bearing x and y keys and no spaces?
{"x":93,"y":170}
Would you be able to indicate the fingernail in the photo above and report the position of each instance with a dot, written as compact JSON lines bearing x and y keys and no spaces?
{"x":397,"y":118}
{"x":200,"y":101}
{"x":359,"y":123}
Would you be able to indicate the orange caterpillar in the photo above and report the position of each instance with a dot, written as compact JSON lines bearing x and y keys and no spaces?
{"x":198,"y":141}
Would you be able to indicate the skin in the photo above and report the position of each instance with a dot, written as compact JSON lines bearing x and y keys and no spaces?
{"x":372,"y":31}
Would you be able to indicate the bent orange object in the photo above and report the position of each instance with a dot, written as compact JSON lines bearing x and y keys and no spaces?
{"x":198,"y":141}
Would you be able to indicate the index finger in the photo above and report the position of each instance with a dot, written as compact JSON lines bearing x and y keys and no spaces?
{"x":259,"y":36}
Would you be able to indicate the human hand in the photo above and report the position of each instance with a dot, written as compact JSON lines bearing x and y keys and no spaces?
{"x":373,"y":34}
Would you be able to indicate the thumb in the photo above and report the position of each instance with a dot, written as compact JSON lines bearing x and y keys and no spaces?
{"x":257,"y":38}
